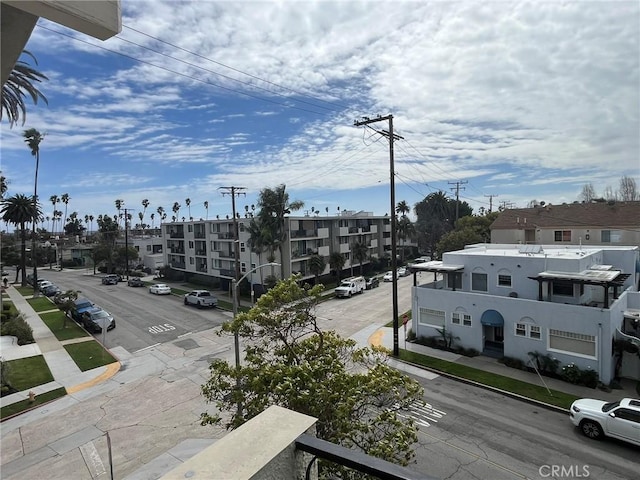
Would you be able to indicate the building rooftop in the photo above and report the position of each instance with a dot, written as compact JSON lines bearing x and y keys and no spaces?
{"x":536,"y":251}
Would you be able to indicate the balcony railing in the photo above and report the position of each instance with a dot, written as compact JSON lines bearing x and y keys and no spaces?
{"x":199,"y":234}
{"x":179,"y":265}
{"x":226,"y":236}
{"x":176,"y":234}
{"x":304,"y":233}
{"x":201,"y":268}
{"x":201,"y":253}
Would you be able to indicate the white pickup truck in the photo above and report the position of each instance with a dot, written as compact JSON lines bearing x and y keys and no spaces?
{"x":351,"y":286}
{"x":201,"y":299}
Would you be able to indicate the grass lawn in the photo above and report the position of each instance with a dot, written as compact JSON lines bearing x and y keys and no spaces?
{"x":508,"y":384}
{"x":55,"y":322}
{"x":25,"y":291}
{"x":29,"y":372}
{"x":41,"y":304}
{"x":26,"y":405}
{"x":88,"y":355}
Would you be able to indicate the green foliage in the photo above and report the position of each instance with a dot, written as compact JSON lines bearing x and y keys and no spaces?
{"x":18,"y":327}
{"x":290,"y":362}
{"x":89,"y":355}
{"x":29,"y":372}
{"x":336,"y":262}
{"x":468,"y":230}
{"x":317,"y":265}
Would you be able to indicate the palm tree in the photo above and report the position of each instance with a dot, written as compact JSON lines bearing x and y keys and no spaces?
{"x":176,"y":209}
{"x":145,"y":205}
{"x":91,"y":217}
{"x":206,"y":207}
{"x":403,"y":208}
{"x":65,"y":199}
{"x":3,"y":186}
{"x":274,"y":207}
{"x":360,"y":252}
{"x":54,"y":200}
{"x":20,"y":210}
{"x":316,"y":266}
{"x":336,"y":262}
{"x":405,"y":229}
{"x":33,"y":138}
{"x":141,"y":217}
{"x":119,"y":203}
{"x":153,"y":216}
{"x":187,"y":202}
{"x":20,"y":83}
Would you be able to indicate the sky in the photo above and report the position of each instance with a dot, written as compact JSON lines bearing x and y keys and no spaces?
{"x":512,"y":101}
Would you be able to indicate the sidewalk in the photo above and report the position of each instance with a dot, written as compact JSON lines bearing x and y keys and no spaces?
{"x":384,"y":337}
{"x":64,"y":370}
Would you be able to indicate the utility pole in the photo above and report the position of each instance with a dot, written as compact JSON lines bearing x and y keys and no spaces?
{"x":394,"y":247}
{"x":235,"y":192}
{"x":457,"y":189}
{"x":491,"y":202}
{"x":126,"y":241}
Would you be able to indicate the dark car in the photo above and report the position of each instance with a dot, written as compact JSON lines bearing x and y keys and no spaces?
{"x":95,"y":319}
{"x":372,"y":282}
{"x":80,"y":306}
{"x":111,"y":279}
{"x":51,"y":290}
{"x":135,"y":282}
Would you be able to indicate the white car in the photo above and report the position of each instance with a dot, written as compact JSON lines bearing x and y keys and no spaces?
{"x":402,"y":272}
{"x":388,"y":277}
{"x":160,"y":289}
{"x":598,"y":419}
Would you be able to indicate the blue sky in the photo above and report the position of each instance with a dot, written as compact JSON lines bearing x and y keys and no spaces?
{"x":521,"y":101}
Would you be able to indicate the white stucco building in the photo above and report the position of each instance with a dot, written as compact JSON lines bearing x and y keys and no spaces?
{"x":508,"y":300}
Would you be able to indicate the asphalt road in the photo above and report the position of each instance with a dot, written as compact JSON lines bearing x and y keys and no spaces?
{"x":466,"y":432}
{"x":142,"y":319}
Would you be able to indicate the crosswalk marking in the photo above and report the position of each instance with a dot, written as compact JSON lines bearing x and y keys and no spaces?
{"x":423,"y":414}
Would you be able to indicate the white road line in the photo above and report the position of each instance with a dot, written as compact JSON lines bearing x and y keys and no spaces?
{"x":185,"y":334}
{"x":147,"y":348}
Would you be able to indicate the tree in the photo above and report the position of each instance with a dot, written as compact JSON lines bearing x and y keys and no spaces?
{"x":145,"y":205}
{"x":405,"y":229}
{"x":435,"y":217}
{"x":469,"y":230}
{"x":356,"y":396}
{"x":187,"y":202}
{"x":258,"y":241}
{"x":21,"y":82}
{"x":19,"y":210}
{"x":360,"y":251}
{"x":33,"y":138}
{"x":317,"y":265}
{"x":105,"y":251}
{"x":403,"y":208}
{"x":628,"y":191}
{"x":65,"y":302}
{"x":3,"y":186}
{"x":336,"y":263}
{"x":176,"y":209}
{"x":74,"y":227}
{"x":588,"y":193}
{"x":54,"y":200}
{"x":274,"y":206}
{"x":206,"y":207}
{"x":64,"y":198}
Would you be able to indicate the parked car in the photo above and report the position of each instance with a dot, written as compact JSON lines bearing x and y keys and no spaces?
{"x":388,"y":277}
{"x":597,"y":419}
{"x":402,"y":272}
{"x":80,"y":305}
{"x":135,"y":282}
{"x":350,"y":286}
{"x":201,"y":299}
{"x":372,"y":282}
{"x":44,"y":284}
{"x":111,"y":279}
{"x":51,"y":290}
{"x":95,"y":319}
{"x":160,"y":289}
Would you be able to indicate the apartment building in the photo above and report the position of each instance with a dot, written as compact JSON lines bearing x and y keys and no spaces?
{"x":598,"y":223}
{"x":206,"y":248}
{"x":569,"y":302}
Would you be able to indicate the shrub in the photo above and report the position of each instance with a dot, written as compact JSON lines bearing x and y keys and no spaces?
{"x":571,"y":373}
{"x":18,"y":327}
{"x":589,"y":378}
{"x":6,"y":307}
{"x":513,"y":362}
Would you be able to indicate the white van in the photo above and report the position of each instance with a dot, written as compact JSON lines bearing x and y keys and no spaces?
{"x":351,"y":286}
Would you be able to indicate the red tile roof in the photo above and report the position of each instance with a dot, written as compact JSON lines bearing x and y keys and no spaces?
{"x":602,"y":214}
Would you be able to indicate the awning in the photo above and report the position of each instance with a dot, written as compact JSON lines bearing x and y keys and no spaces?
{"x":492,"y":319}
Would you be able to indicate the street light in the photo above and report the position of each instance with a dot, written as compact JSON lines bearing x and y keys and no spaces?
{"x":236,"y":338}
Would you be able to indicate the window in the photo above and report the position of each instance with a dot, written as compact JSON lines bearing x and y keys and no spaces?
{"x":431,"y":317}
{"x":562,"y":287}
{"x":455,"y":318}
{"x":479,"y":282}
{"x":562,"y":235}
{"x":610,"y":236}
{"x":454,"y":280}
{"x":241,"y":227}
{"x":190,"y":228}
{"x":466,"y":320}
{"x":242,"y":247}
{"x":148,"y":248}
{"x":572,"y":343}
{"x":191,"y":261}
{"x":504,"y":280}
{"x":528,"y":330}
{"x":243,"y":267}
{"x":190,"y":244}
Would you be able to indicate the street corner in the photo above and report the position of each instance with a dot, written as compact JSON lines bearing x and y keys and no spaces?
{"x":110,"y":371}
